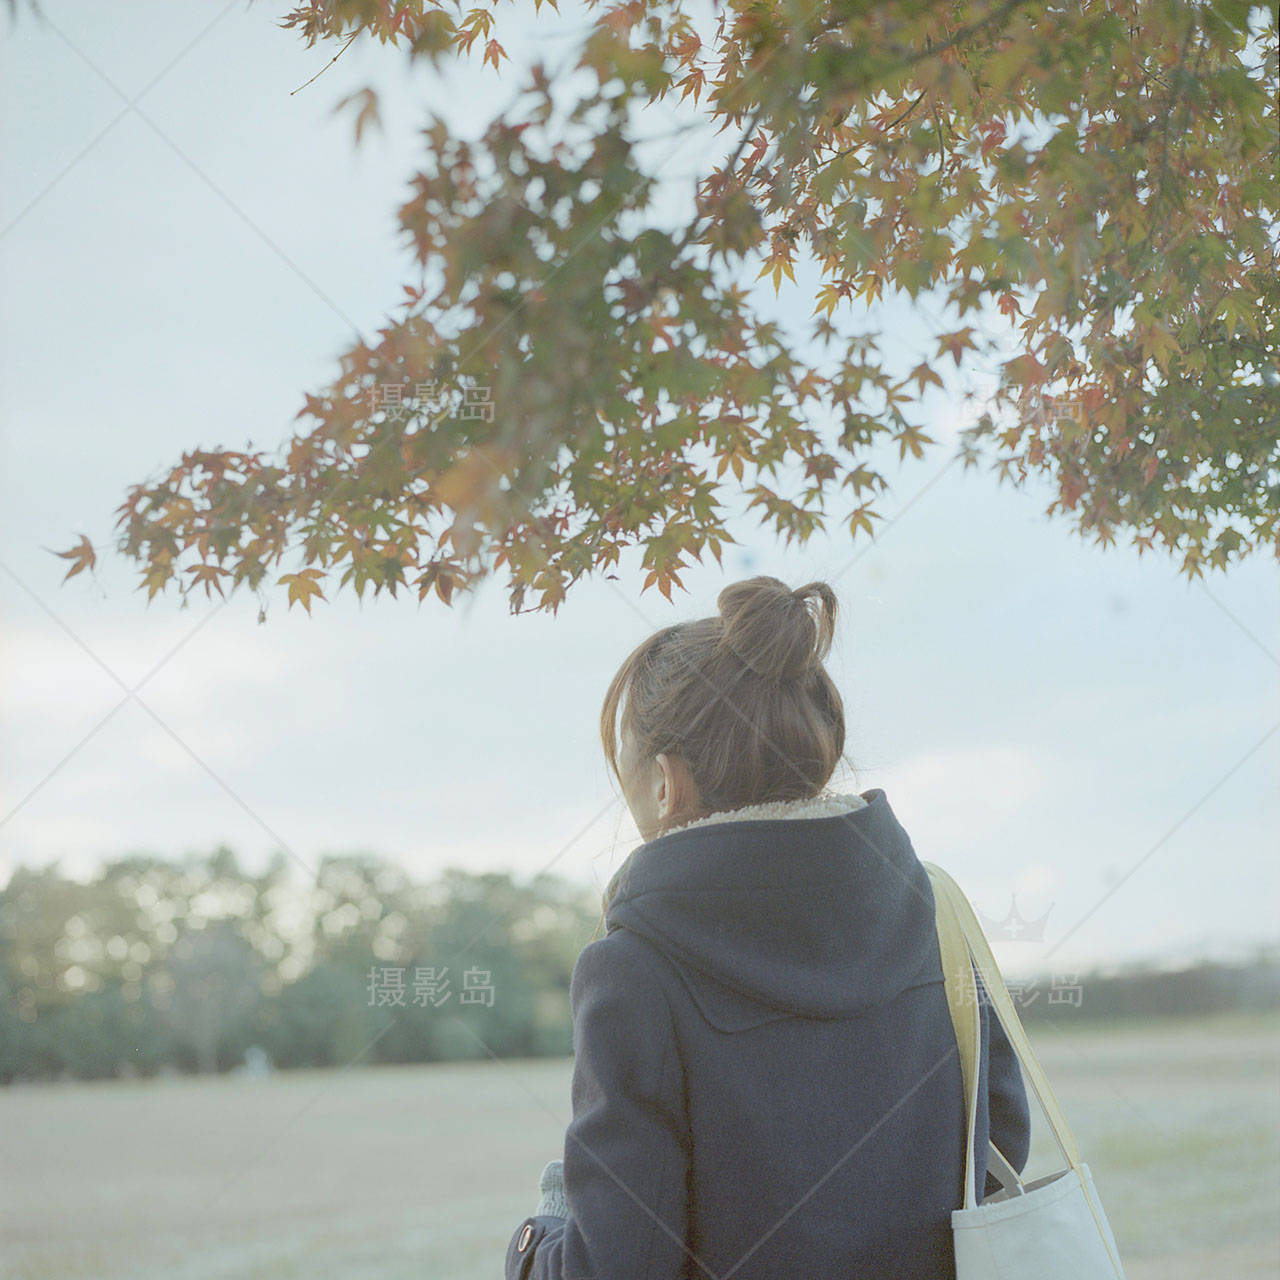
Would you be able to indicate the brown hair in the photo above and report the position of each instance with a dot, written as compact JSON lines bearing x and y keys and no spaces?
{"x":742,"y":698}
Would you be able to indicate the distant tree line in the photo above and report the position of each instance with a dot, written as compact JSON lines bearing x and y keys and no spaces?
{"x":1146,"y":990}
{"x":157,"y":966}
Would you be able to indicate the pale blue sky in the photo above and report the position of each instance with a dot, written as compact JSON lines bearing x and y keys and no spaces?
{"x":1077,"y":726}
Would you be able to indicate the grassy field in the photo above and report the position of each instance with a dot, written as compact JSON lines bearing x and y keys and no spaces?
{"x":422,"y":1173}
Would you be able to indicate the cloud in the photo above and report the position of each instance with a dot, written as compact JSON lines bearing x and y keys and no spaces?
{"x":969,"y":788}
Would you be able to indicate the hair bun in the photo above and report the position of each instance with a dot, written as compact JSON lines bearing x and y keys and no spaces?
{"x":772,"y":630}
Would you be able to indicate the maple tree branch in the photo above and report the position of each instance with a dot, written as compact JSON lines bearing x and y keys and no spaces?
{"x":727,"y":170}
{"x":893,"y":124}
{"x":327,"y":65}
{"x":931,"y":49}
{"x":1153,"y":207}
{"x":942,"y":141}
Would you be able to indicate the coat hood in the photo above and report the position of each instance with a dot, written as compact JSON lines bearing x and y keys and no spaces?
{"x":818,"y":907}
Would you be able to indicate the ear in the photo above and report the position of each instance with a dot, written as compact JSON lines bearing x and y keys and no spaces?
{"x":674,"y":782}
{"x":664,"y":782}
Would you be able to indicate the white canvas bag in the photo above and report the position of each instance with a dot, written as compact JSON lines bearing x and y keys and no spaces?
{"x":1053,"y":1228}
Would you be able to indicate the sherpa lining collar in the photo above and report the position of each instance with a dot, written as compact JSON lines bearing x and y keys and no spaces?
{"x":826,"y":805}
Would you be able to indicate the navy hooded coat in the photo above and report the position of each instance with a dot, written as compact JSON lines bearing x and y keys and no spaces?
{"x":766,"y":1082}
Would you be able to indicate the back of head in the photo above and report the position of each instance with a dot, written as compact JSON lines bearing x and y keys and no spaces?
{"x":742,"y":698}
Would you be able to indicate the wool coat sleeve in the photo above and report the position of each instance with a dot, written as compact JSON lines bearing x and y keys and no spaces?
{"x":625,"y":1160}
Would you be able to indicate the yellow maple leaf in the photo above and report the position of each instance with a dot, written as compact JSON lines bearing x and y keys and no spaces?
{"x":302,"y":587}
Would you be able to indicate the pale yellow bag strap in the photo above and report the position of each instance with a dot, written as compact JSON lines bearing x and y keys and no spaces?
{"x":957,"y":973}
{"x":958,"y":908}
{"x":998,"y":994}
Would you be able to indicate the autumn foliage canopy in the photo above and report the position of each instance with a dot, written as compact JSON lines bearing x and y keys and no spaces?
{"x":565,"y":378}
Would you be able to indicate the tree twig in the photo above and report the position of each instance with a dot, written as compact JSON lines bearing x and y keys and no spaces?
{"x":328,"y":64}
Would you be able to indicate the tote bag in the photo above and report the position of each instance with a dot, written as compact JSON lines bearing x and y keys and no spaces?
{"x":1053,"y":1228}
